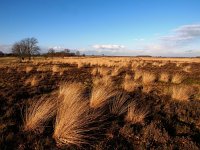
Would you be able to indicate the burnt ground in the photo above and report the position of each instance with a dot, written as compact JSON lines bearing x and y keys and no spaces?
{"x":169,"y":125}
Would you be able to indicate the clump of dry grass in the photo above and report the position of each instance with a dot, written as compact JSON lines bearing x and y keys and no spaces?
{"x":115,"y":71}
{"x":38,"y":113}
{"x":43,"y":68}
{"x":127,"y":77}
{"x":80,"y":64}
{"x":28,"y":69}
{"x":148,"y":77}
{"x":104,"y":71}
{"x":138,"y":74}
{"x":101,"y":94}
{"x":135,"y":115}
{"x":55,"y":69}
{"x":94,"y":71}
{"x":164,"y":77}
{"x":147,"y":88}
{"x":130,"y":85}
{"x":187,"y":68}
{"x":74,"y":117}
{"x":106,"y":81}
{"x":181,"y":92}
{"x":33,"y":81}
{"x":119,"y":105}
{"x":177,"y":78}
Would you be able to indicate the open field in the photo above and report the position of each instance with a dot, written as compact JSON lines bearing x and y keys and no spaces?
{"x":100,"y":103}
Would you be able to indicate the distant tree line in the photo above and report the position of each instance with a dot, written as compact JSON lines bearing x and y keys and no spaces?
{"x":28,"y":47}
{"x":65,"y":53}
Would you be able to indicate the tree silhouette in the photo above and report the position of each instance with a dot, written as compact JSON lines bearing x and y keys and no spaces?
{"x":26,"y":48}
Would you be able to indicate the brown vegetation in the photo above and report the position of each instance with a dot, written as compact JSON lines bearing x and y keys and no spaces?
{"x":38,"y":113}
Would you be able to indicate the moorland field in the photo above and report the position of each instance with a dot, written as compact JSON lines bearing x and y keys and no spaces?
{"x":100,"y":103}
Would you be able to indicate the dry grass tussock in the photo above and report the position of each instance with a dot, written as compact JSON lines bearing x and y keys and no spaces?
{"x":177,"y":78}
{"x":74,"y":117}
{"x":135,"y":115}
{"x":138,"y":74}
{"x":127,"y":77}
{"x":101,"y":94}
{"x":147,"y":88}
{"x":119,"y":105}
{"x":164,"y":77}
{"x":106,"y":81}
{"x":28,"y":69}
{"x":116,"y":71}
{"x":33,"y":81}
{"x":42,"y":68}
{"x":94,"y":71}
{"x":148,"y":77}
{"x":182,"y":92}
{"x":55,"y":69}
{"x":130,"y":85}
{"x":38,"y":113}
{"x":104,"y":71}
{"x":187,"y":68}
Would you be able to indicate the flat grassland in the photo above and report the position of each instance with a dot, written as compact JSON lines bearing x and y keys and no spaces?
{"x":100,"y":103}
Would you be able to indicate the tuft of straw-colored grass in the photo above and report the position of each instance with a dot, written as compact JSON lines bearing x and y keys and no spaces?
{"x":181,"y":92}
{"x":74,"y":118}
{"x":106,"y":81}
{"x":104,"y":71}
{"x":164,"y":77}
{"x":33,"y":81}
{"x":119,"y":104}
{"x":148,"y":77}
{"x":55,"y":69}
{"x":187,"y":68}
{"x":135,"y":115}
{"x":115,"y":71}
{"x":138,"y":74}
{"x":127,"y":77}
{"x":147,"y":88}
{"x":38,"y":113}
{"x":28,"y":69}
{"x":177,"y":78}
{"x":101,"y":94}
{"x":130,"y":86}
{"x":94,"y":71}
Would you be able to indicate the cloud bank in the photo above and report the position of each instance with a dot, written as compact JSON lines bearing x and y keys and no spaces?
{"x":109,"y":46}
{"x":184,"y":33}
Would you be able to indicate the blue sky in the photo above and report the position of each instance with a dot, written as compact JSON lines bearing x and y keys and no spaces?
{"x":112,"y":27}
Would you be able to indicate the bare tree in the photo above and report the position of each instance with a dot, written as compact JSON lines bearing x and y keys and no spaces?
{"x":51,"y":52}
{"x":31,"y":47}
{"x":19,"y":50}
{"x":78,"y":53}
{"x":26,"y":48}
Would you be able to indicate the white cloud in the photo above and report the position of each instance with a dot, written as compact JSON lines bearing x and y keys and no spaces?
{"x":109,"y":46}
{"x":185,"y":33}
{"x":138,"y":40}
{"x":57,"y":48}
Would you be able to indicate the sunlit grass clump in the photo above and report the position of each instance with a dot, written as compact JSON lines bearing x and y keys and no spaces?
{"x":38,"y":113}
